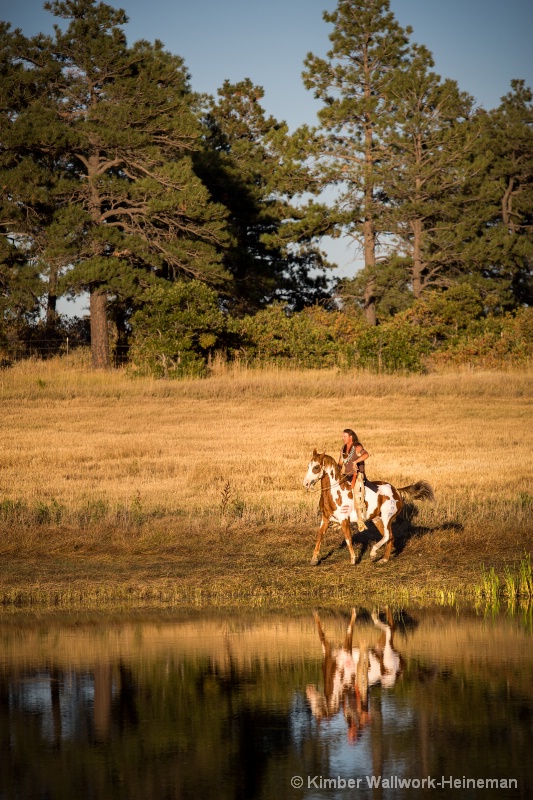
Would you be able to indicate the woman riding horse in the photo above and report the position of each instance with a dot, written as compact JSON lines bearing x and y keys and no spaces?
{"x":352,"y":463}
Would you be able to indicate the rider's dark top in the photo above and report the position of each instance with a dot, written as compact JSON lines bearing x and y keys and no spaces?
{"x":347,"y":461}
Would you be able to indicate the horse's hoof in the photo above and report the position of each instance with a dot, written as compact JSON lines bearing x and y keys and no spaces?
{"x":314,"y":561}
{"x":383,"y":561}
{"x":373,"y":556}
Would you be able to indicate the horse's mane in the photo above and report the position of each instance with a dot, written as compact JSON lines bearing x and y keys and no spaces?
{"x":328,"y":461}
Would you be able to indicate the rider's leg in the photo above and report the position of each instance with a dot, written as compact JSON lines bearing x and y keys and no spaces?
{"x":358,"y":487}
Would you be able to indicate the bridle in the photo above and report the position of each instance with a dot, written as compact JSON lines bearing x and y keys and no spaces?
{"x":318,"y":478}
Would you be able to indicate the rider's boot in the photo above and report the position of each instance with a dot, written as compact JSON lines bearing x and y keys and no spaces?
{"x":360,"y":518}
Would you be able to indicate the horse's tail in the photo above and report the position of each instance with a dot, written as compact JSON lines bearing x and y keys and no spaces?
{"x":421,"y":490}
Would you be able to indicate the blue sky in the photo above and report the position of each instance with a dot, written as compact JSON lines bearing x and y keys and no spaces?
{"x":482,"y":44}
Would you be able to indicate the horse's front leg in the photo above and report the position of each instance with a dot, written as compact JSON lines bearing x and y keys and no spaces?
{"x":321,"y":531}
{"x":347,"y":531}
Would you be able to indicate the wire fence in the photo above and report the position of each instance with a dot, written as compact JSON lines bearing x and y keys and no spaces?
{"x":38,"y":348}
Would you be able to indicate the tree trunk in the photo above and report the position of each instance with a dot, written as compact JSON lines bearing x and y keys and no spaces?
{"x":370,"y":263}
{"x":369,"y":302}
{"x":507,"y":205}
{"x":369,"y":227}
{"x":51,"y":304}
{"x":98,"y":305}
{"x":99,"y":333}
{"x":417,"y":258}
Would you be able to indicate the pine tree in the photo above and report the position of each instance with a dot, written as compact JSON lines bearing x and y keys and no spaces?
{"x":251,"y":166}
{"x":500,"y":247}
{"x":25,"y":206}
{"x":429,"y":164}
{"x":130,"y":208}
{"x":368,"y":47}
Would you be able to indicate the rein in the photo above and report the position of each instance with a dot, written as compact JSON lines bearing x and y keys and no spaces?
{"x":339,"y":483}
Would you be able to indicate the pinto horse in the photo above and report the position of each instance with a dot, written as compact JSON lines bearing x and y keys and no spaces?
{"x":350,"y":671}
{"x":383,"y":503}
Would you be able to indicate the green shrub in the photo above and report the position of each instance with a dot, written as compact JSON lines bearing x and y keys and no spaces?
{"x":176,"y":329}
{"x":392,"y":347}
{"x":447,"y":328}
{"x":501,"y":341}
{"x":306,"y":338}
{"x":180,"y":324}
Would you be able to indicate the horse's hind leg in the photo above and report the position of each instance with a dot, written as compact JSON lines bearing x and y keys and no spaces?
{"x":321,"y":531}
{"x":378,"y":522}
{"x":384,"y":526}
{"x":388,"y":548}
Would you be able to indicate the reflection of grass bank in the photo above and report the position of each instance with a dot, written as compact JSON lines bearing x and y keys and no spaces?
{"x":115,"y":490}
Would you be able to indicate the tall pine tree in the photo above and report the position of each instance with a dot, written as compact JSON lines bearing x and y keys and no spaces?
{"x":354,"y":83}
{"x":251,"y":165}
{"x":129,"y":205}
{"x":25,"y":205}
{"x":429,"y":164}
{"x":500,"y":246}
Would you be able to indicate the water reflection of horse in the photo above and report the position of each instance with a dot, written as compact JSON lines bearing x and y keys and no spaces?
{"x":383,"y":503}
{"x":349,"y":672}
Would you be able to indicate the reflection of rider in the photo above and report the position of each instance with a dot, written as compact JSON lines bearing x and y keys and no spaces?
{"x":352,"y":463}
{"x":356,"y":715}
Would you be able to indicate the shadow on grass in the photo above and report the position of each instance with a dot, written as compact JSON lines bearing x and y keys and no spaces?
{"x":404,"y":529}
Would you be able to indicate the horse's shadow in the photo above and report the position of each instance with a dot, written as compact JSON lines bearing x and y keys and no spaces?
{"x":405,"y":528}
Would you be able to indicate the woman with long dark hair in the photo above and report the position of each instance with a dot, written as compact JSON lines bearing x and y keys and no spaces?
{"x":353,"y":455}
{"x":352,"y":463}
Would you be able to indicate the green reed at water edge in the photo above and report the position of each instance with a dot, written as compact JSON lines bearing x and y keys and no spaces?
{"x":517,"y":583}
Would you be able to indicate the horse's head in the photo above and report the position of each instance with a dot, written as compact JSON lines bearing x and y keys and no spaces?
{"x":315,"y":469}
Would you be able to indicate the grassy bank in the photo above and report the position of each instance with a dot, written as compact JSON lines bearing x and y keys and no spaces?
{"x":122,"y":490}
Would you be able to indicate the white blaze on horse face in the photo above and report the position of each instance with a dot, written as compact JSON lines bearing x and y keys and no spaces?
{"x":314,"y":472}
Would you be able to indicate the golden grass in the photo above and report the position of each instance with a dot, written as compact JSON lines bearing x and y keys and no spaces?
{"x":113,"y":487}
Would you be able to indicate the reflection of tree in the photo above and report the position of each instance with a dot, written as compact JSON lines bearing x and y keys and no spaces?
{"x":56,"y":704}
{"x":103,"y":685}
{"x":202,"y":729}
{"x":240,"y":727}
{"x":125,"y":706}
{"x":465,"y":724}
{"x":194,"y":727}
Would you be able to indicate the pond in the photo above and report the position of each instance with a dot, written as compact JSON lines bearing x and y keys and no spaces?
{"x":335,"y":704}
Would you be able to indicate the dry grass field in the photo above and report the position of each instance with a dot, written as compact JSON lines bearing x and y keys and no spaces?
{"x":121,"y":489}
